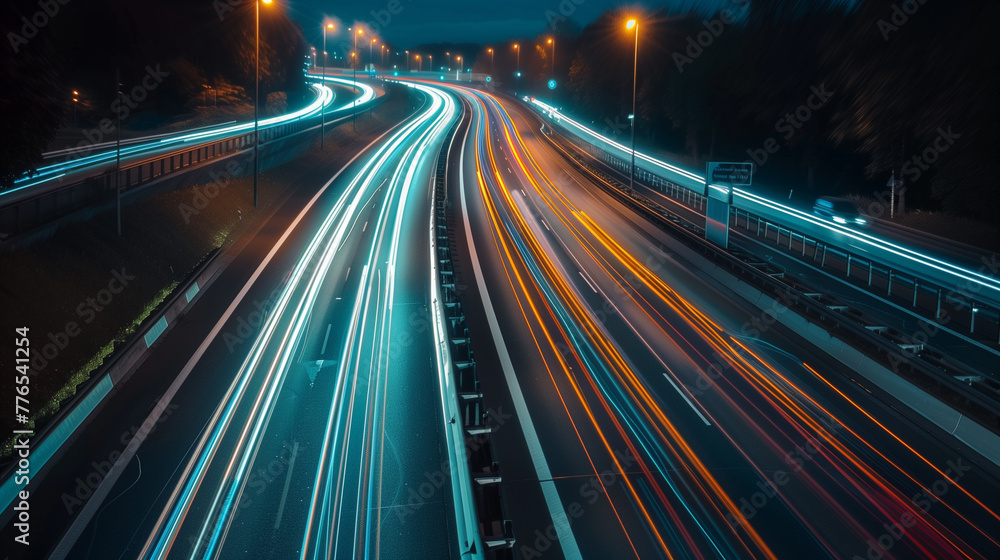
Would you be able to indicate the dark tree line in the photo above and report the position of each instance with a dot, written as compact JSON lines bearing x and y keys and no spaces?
{"x":907,"y":92}
{"x":188,"y":44}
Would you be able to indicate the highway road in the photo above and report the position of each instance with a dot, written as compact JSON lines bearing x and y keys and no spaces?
{"x":648,"y":413}
{"x":968,"y":271}
{"x":295,"y":410}
{"x":649,"y":421}
{"x":67,"y":166}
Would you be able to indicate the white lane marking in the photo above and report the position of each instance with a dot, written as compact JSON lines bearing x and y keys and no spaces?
{"x":365,"y":228}
{"x":100,"y":493}
{"x":587,"y":280}
{"x":544,"y":223}
{"x":348,"y":273}
{"x":326,"y":338}
{"x":556,"y":510}
{"x":288,"y":479}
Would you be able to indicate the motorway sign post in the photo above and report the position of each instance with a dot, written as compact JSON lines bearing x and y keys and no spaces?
{"x":720,"y":178}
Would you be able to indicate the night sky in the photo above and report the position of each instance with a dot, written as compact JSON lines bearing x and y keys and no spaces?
{"x":457,"y":21}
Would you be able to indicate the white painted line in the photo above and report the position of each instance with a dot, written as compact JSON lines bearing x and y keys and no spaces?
{"x":348,"y":273}
{"x":100,"y":493}
{"x":544,"y":223}
{"x":560,"y":521}
{"x":326,"y":338}
{"x":288,"y":479}
{"x":365,"y":228}
{"x":587,"y":280}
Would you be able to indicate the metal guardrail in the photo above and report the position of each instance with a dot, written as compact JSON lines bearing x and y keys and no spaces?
{"x":901,"y":360}
{"x":981,"y":320}
{"x":482,"y":474}
{"x":22,"y":215}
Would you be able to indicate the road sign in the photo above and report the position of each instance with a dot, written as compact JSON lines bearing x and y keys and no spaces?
{"x":732,"y":174}
{"x":552,"y":84}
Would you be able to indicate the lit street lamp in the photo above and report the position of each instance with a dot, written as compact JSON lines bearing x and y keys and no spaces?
{"x":354,"y":106}
{"x":552,"y":91}
{"x":322,"y":123}
{"x":635,"y":65}
{"x":490,"y":50}
{"x":256,"y":100}
{"x":517,"y":74}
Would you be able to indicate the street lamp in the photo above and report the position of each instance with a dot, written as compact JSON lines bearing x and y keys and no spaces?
{"x":371,"y":59}
{"x":635,"y":65}
{"x":447,"y":54}
{"x":490,"y":50}
{"x":552,"y":91}
{"x":407,"y":61}
{"x":420,"y":65}
{"x":430,"y":62}
{"x":322,"y":122}
{"x":256,"y":100}
{"x":354,"y":106}
{"x":517,"y":74}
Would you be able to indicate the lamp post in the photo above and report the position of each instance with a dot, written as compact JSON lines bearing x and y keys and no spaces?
{"x":490,"y":50}
{"x":448,"y":55}
{"x":407,"y":60}
{"x":371,"y":58}
{"x":461,"y":68}
{"x":635,"y":65}
{"x":517,"y":74}
{"x":430,"y":62}
{"x":354,"y":106}
{"x":552,"y":92}
{"x":256,"y":100}
{"x":322,"y":123}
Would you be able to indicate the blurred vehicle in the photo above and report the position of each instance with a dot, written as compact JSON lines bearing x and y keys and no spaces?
{"x":838,"y":210}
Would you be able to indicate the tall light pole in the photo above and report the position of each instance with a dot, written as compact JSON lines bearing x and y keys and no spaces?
{"x":371,"y":58}
{"x":635,"y":65}
{"x":354,"y":106}
{"x":322,"y":123}
{"x":407,"y":61}
{"x":517,"y":74}
{"x":118,"y":152}
{"x":448,"y":55}
{"x":552,"y":91}
{"x":430,"y":62}
{"x":461,"y":68}
{"x":256,"y":100}
{"x":490,"y":50}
